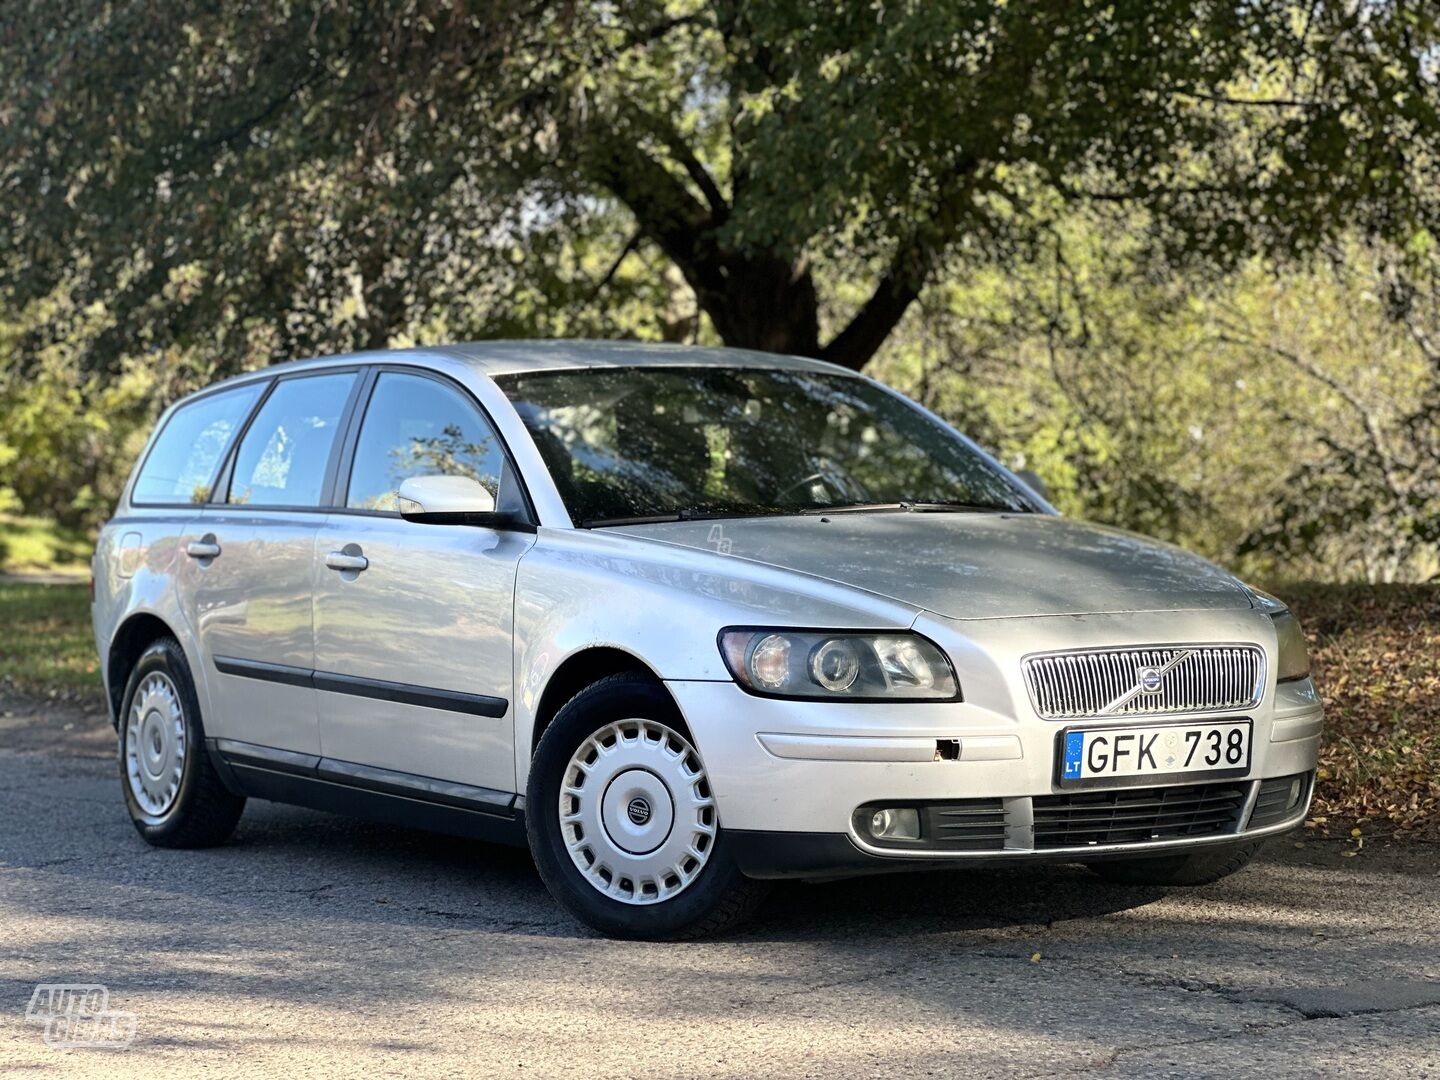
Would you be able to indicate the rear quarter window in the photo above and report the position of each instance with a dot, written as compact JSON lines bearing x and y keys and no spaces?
{"x":182,"y":463}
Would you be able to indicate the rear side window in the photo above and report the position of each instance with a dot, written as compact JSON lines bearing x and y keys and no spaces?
{"x":181,"y":465}
{"x":416,"y":426}
{"x":284,"y":454}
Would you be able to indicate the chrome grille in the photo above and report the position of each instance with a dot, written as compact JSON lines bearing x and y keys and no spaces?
{"x":1108,"y":682}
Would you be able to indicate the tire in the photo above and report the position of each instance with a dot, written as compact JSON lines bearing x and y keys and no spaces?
{"x":172,"y":791}
{"x":1194,"y":868}
{"x":620,"y":822}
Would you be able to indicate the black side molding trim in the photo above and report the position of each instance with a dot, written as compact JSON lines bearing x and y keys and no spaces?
{"x":267,"y":757}
{"x":405,"y":694}
{"x":390,"y":782}
{"x":252,"y":769}
{"x":379,"y":689}
{"x":258,"y":669}
{"x":318,"y":794}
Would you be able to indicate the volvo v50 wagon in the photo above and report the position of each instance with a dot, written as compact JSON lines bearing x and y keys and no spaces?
{"x":682,"y":620}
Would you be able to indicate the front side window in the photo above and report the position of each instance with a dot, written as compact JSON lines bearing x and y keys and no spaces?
{"x":625,"y":443}
{"x":418,"y":426}
{"x":284,"y":455}
{"x":181,"y":465}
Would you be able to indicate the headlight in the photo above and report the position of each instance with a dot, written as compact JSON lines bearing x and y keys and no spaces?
{"x":838,"y":666}
{"x":1294,"y":656}
{"x":1294,"y":660}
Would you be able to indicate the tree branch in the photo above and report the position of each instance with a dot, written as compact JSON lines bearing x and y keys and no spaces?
{"x":904,"y":278}
{"x":663,"y":207}
{"x":1249,"y":103}
{"x":1389,"y":467}
{"x":871,"y":325}
{"x":685,"y":156}
{"x":248,"y":125}
{"x":630,"y":246}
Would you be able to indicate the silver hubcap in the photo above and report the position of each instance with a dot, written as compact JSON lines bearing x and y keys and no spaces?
{"x":636,"y":812}
{"x":155,"y":745}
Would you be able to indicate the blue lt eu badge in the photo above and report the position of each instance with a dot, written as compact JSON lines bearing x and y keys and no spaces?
{"x":1074,"y":749}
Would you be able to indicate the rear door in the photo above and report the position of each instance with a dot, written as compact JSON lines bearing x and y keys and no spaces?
{"x":413,"y":652}
{"x":252,"y":596}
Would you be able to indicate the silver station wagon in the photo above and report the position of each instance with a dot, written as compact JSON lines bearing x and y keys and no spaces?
{"x":681,"y":619}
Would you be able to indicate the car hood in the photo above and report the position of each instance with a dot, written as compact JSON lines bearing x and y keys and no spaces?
{"x":971,"y":565}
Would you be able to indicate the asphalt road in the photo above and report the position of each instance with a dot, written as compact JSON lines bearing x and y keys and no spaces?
{"x":316,"y":946}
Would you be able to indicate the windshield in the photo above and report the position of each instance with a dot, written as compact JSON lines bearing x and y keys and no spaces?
{"x":645,"y":442}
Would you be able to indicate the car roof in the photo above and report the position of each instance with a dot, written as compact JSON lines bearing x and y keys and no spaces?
{"x":515,"y":357}
{"x":506,"y":357}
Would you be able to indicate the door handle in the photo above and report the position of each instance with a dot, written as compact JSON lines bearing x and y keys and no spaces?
{"x":205,"y":548}
{"x":345,"y":560}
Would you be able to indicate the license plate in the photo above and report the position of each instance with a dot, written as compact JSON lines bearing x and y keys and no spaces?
{"x":1092,"y":756}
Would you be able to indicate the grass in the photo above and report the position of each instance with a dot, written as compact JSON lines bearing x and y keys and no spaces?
{"x":33,"y":545}
{"x":46,"y":648}
{"x":1375,"y":653}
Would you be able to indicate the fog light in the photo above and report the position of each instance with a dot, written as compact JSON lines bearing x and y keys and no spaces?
{"x":1297,"y":788}
{"x":900,"y":823}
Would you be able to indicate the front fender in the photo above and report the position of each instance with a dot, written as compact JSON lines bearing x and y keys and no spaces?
{"x":664,"y":605}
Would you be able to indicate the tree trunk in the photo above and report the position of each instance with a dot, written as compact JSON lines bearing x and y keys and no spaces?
{"x":764,"y":304}
{"x":772,"y":306}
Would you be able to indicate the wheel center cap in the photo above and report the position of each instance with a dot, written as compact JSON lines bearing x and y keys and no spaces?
{"x":637,"y":811}
{"x":152,"y":743}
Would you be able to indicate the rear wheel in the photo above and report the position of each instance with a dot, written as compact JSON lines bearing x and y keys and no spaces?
{"x":622,"y":822}
{"x":1192,"y":868}
{"x":175,"y":797}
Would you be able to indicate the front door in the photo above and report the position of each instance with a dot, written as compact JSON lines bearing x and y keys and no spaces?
{"x":414,"y":623}
{"x":254,"y":552}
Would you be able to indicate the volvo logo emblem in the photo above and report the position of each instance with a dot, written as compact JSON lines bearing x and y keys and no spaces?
{"x":638,"y":811}
{"x":1149,"y":680}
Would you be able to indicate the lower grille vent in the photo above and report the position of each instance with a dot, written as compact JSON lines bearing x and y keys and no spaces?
{"x":972,"y":825}
{"x":1136,"y":815}
{"x":1278,"y":799}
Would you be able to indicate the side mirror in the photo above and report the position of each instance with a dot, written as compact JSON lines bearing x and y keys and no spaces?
{"x":450,"y":500}
{"x":1034,"y":483}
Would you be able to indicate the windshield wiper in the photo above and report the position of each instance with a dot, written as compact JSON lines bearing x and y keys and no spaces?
{"x":686,"y":514}
{"x":693,"y":514}
{"x":851,"y":508}
{"x":956,"y":508}
{"x":915,"y":508}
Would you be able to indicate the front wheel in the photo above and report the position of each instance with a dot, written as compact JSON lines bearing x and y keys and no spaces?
{"x":622,"y":822}
{"x":1193,"y":868}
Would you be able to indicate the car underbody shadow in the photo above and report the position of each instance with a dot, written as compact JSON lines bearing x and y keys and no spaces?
{"x":944,"y":901}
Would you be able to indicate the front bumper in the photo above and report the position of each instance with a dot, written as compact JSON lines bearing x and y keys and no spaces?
{"x":765,"y":854}
{"x":789,"y":777}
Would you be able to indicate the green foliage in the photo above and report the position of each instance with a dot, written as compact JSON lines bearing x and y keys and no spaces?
{"x":1273,"y":419}
{"x":252,"y":179}
{"x":1370,"y":492}
{"x":46,"y":645}
{"x":34,"y":545}
{"x":1170,"y":254}
{"x":68,"y":436}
